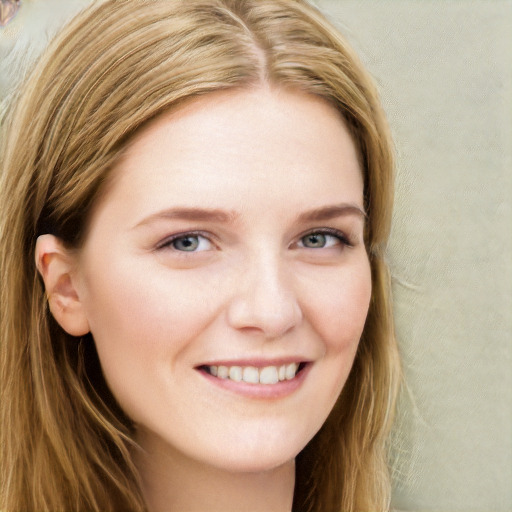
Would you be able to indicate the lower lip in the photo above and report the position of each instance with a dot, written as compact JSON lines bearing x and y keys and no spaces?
{"x":262,"y":391}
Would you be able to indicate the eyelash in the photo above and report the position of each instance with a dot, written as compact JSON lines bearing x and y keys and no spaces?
{"x":168,"y":242}
{"x":342,"y":238}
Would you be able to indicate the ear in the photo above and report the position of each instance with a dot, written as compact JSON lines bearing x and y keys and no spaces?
{"x":55,"y":264}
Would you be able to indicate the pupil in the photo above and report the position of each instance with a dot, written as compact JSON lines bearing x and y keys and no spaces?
{"x":317,"y":240}
{"x":188,"y":243}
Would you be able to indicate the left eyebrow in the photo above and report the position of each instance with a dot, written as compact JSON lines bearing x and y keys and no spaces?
{"x":331,"y":212}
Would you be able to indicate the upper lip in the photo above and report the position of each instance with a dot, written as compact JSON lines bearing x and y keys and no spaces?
{"x":257,"y":362}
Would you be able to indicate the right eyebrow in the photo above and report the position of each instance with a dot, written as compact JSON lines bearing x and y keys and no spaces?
{"x":193,"y":214}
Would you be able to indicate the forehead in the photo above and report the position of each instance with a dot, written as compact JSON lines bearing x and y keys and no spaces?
{"x":245,"y":147}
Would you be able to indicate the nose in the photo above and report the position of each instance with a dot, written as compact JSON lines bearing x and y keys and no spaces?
{"x":264,"y":302}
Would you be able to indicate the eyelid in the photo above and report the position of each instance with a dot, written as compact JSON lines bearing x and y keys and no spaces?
{"x":340,"y":235}
{"x":344,"y":239}
{"x":167,"y":242}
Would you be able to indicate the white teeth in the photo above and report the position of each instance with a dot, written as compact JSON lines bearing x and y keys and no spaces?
{"x":268,"y":375}
{"x":223,"y":372}
{"x":253,"y":375}
{"x":291,"y":370}
{"x":235,"y":373}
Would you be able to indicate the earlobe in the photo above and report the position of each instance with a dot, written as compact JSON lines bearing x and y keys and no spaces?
{"x":56,"y":264}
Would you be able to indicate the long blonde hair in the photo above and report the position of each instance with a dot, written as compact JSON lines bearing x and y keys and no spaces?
{"x":65,"y":445}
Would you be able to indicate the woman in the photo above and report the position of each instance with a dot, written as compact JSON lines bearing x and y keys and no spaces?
{"x":196,"y":199}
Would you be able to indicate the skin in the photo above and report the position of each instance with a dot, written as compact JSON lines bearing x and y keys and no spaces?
{"x":255,"y":288}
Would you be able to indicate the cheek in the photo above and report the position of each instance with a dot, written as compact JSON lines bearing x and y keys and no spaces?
{"x":143,"y":306}
{"x":142,"y":322}
{"x":338,"y":310}
{"x":337,"y":313}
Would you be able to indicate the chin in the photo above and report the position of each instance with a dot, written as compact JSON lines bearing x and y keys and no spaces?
{"x":254,"y":464}
{"x":255,"y":456}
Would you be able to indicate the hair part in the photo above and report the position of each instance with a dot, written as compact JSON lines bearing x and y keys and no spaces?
{"x":65,"y":444}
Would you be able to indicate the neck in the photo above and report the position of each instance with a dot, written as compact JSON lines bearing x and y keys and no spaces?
{"x":172,"y":482}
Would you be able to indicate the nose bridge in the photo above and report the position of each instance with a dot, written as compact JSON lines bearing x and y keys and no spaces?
{"x":265,"y":299}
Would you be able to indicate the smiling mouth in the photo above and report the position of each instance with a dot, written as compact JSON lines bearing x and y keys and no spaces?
{"x":267,"y":375}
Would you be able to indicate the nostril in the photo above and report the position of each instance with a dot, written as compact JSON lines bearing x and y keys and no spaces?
{"x":264,"y":300}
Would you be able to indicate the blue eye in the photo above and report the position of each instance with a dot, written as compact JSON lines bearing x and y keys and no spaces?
{"x":314,"y":240}
{"x":323,"y":239}
{"x":188,"y":242}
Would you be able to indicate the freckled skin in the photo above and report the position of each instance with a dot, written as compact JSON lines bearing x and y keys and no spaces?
{"x":252,"y":290}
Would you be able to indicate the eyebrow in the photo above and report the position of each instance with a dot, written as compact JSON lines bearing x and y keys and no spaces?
{"x":229,"y":216}
{"x":331,"y":212}
{"x":193,"y":214}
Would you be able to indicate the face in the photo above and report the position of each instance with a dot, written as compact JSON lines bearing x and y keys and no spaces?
{"x":225,"y":279}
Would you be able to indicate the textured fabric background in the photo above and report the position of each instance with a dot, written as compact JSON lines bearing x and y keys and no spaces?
{"x":445,"y":74}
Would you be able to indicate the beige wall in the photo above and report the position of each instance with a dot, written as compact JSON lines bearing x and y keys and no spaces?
{"x":445,"y":72}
